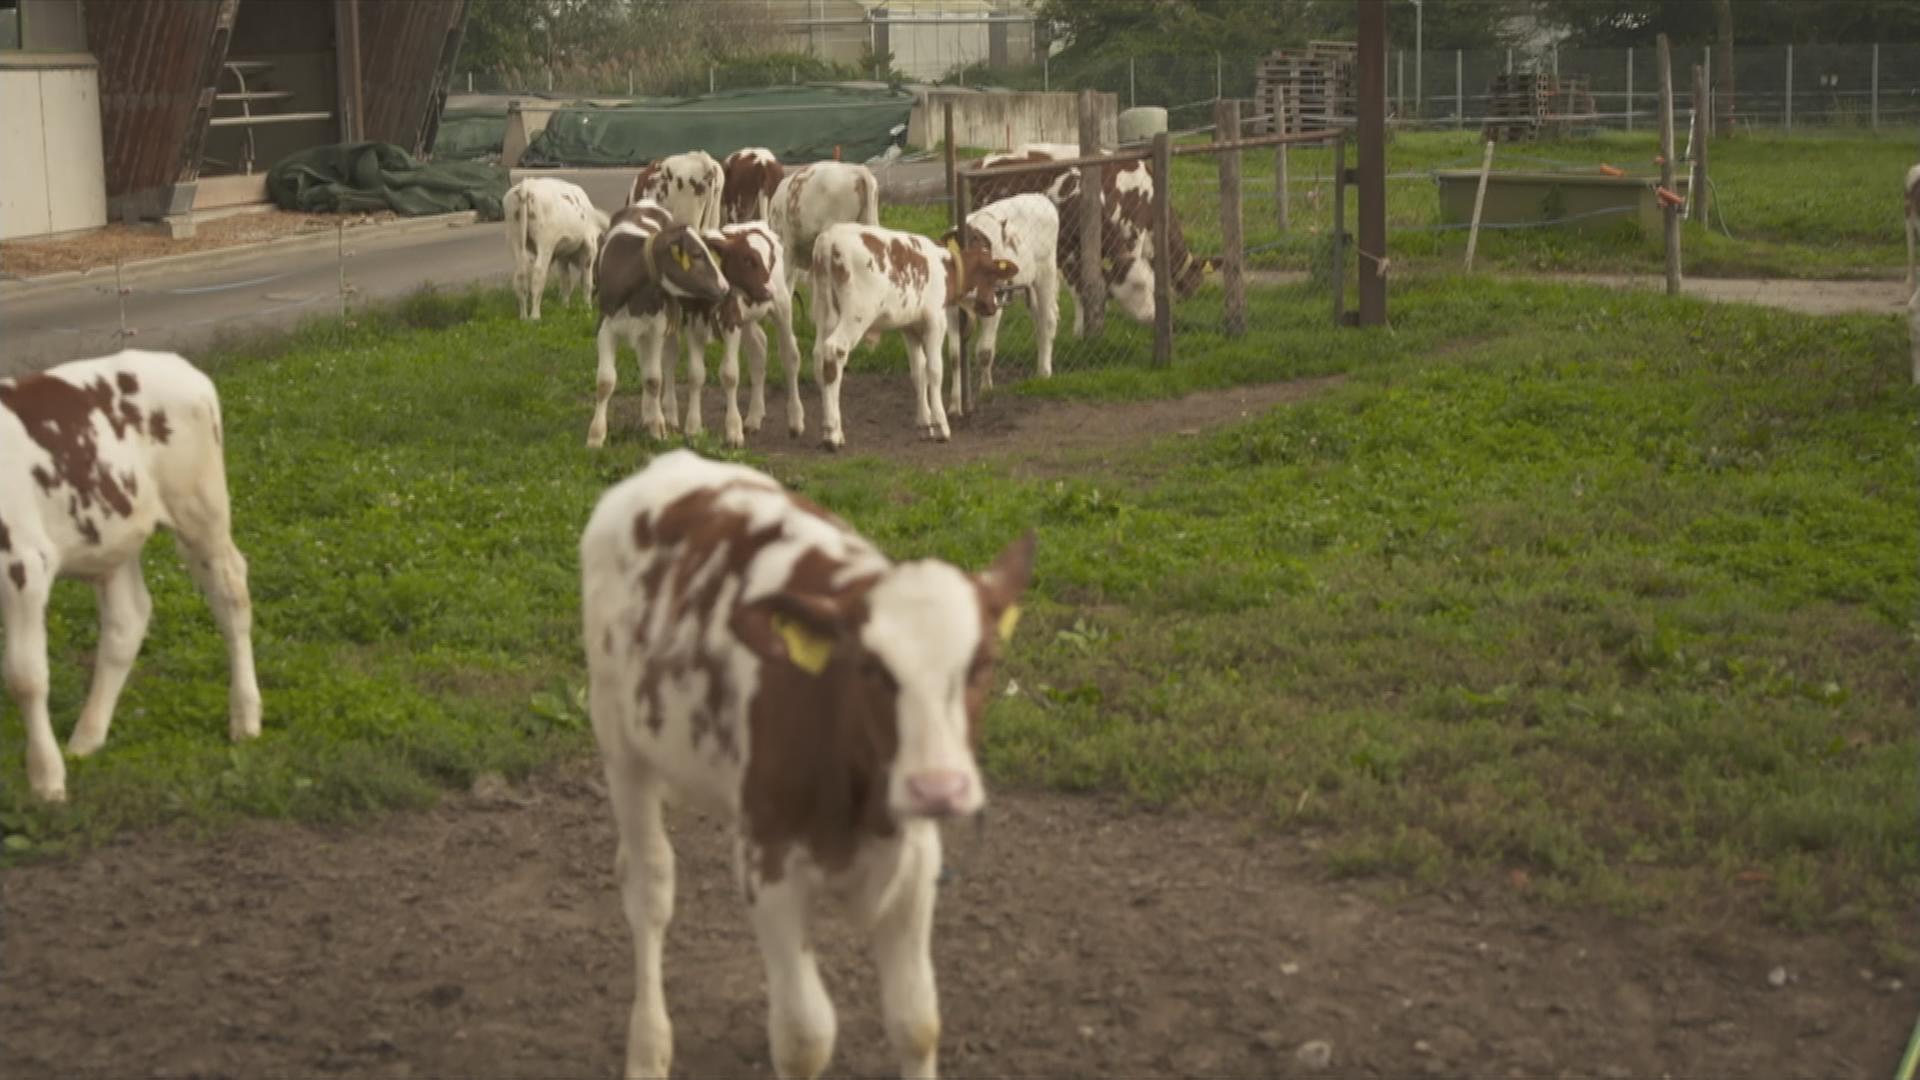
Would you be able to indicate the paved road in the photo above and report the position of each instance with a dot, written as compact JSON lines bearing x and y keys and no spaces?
{"x":186,"y":310}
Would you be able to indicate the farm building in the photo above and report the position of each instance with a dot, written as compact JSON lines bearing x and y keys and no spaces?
{"x":153,"y":108}
{"x":928,"y":38}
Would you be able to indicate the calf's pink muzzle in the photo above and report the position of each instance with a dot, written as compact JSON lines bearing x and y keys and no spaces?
{"x":939,"y":793}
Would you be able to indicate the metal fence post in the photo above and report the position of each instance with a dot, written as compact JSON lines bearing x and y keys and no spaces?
{"x":1509,"y":61}
{"x":1133,"y":98}
{"x":1219,"y":80}
{"x":1281,"y":196}
{"x":1629,"y":109}
{"x":1705,"y":101}
{"x":1459,"y":88}
{"x":1668,"y":212}
{"x":1789,"y":89}
{"x":1400,"y":87}
{"x":1874,"y":108}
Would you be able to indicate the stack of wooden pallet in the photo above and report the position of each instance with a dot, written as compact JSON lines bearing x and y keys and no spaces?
{"x":1316,"y":85}
{"x":1571,"y":104}
{"x":1516,"y":106}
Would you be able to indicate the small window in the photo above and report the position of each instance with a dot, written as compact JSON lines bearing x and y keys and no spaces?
{"x":9,"y":24}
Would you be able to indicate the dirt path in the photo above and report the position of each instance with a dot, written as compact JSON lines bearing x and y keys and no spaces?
{"x":483,"y":939}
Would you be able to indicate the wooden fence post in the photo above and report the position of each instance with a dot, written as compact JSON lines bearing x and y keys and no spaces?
{"x":1162,"y":250}
{"x":1340,"y":231}
{"x":1669,"y":212}
{"x":966,"y":372}
{"x":1093,"y":279}
{"x":1703,"y":132}
{"x":957,"y":202}
{"x":1233,"y":255}
{"x":1281,"y":195}
{"x":1479,"y":201}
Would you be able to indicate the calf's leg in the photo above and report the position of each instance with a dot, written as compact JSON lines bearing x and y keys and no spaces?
{"x":902,"y":942}
{"x":644,"y":864}
{"x":607,"y":343}
{"x":125,"y":609}
{"x":23,"y":614}
{"x":801,"y":1025}
{"x":203,"y":526}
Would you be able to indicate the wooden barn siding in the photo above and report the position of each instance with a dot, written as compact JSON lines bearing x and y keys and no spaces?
{"x":406,"y":60}
{"x":159,"y":63}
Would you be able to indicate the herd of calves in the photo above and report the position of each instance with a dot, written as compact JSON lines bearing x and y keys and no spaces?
{"x":747,"y":650}
{"x":706,"y":249}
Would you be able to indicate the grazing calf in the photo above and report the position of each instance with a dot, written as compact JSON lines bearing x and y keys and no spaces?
{"x":688,"y":185}
{"x":548,"y":220}
{"x":813,"y":197}
{"x":754,"y":266}
{"x":648,"y":263}
{"x":752,"y":175}
{"x":1126,"y":227}
{"x":867,"y":279}
{"x":94,"y":454}
{"x":1022,"y":230}
{"x":1912,"y":201}
{"x":751,"y":653}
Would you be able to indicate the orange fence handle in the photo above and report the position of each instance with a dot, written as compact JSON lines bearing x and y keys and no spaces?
{"x":1668,"y":197}
{"x":1609,"y":170}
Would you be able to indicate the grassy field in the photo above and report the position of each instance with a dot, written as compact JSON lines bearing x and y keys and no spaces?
{"x":1812,"y":206}
{"x":1610,"y":590}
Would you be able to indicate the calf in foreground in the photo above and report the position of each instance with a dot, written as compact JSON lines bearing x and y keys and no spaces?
{"x":94,"y":454}
{"x":551,"y":221}
{"x":750,"y":652}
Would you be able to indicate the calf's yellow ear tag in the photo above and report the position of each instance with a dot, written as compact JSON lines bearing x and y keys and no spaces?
{"x":685,"y":260}
{"x":1009,"y":619}
{"x":808,"y":650}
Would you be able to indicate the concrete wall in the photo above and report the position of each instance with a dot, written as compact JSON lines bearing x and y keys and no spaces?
{"x":53,"y":179}
{"x":1003,"y":120}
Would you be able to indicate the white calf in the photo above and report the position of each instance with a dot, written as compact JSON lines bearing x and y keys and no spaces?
{"x":750,"y":653}
{"x":94,"y":454}
{"x":549,"y":220}
{"x":688,"y":185}
{"x":754,"y":266}
{"x":867,"y":279}
{"x":814,"y":197}
{"x":1023,"y":230}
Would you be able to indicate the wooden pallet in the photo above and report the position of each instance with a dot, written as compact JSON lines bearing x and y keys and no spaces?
{"x":1317,"y":85}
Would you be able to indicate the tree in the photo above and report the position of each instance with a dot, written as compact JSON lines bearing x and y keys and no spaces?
{"x":1623,"y":23}
{"x":1723,"y":63}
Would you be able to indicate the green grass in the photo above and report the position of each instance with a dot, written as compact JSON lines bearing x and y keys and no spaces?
{"x":1612,"y":589}
{"x":1823,"y":206}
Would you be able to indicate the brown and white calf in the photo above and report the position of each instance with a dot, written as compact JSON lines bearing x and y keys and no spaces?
{"x":1912,"y":201}
{"x":549,"y":221}
{"x":812,"y":198}
{"x":1023,"y":230}
{"x":750,"y":653}
{"x":688,"y":185}
{"x":648,"y":263}
{"x":94,"y":455}
{"x":754,"y":266}
{"x":752,"y":176}
{"x":1126,"y":227}
{"x":866,"y":279}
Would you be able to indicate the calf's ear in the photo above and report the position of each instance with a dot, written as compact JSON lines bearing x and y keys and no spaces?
{"x":792,"y":628}
{"x":1004,"y":268}
{"x":1002,"y":584}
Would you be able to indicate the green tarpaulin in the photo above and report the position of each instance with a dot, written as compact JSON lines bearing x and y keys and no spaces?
{"x":470,"y":135}
{"x":797,"y":123}
{"x":380,"y":176}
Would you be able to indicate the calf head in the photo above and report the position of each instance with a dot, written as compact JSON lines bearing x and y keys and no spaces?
{"x":908,"y":662}
{"x":974,"y":277}
{"x":684,"y":264}
{"x":743,"y":264}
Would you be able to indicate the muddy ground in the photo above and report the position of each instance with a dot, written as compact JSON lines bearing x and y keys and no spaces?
{"x":484,"y":939}
{"x":1033,"y":435}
